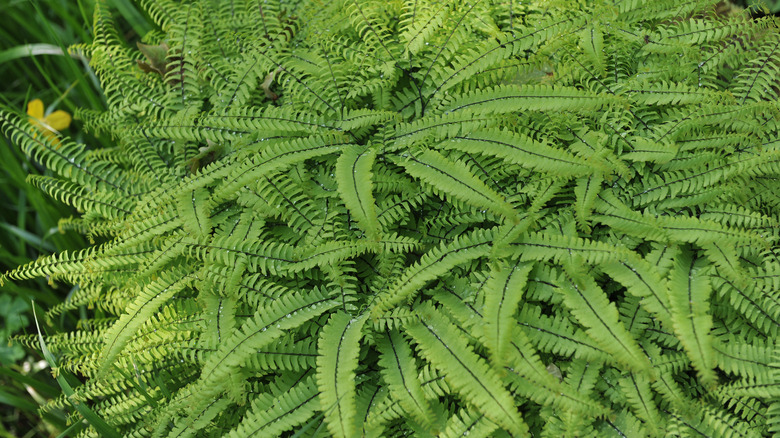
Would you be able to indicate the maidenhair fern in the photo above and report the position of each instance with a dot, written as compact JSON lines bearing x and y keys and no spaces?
{"x":383,"y":218}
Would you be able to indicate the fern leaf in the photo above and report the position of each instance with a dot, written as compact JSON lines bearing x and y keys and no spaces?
{"x":62,"y":156}
{"x":592,"y":42}
{"x":273,"y":416}
{"x":546,"y":246}
{"x":336,"y":366}
{"x":358,"y":120}
{"x":289,"y":356}
{"x":264,"y":327}
{"x":531,"y":379}
{"x":434,"y":263}
{"x":330,"y":253}
{"x":503,"y":292}
{"x":648,"y":150}
{"x":267,"y":257}
{"x":758,"y":306}
{"x":465,"y":371}
{"x":689,"y":293}
{"x":695,"y":230}
{"x":454,"y":179}
{"x":194,"y":210}
{"x":521,"y":150}
{"x":636,"y":389}
{"x":641,"y":280}
{"x":104,"y":204}
{"x":588,"y":303}
{"x":696,"y":31}
{"x":586,"y":191}
{"x":772,"y":414}
{"x":380,"y":411}
{"x":753,"y":361}
{"x":353,"y":175}
{"x":148,"y":301}
{"x":724,"y":256}
{"x":492,"y":51}
{"x":400,"y":373}
{"x":507,"y":98}
{"x":469,"y":423}
{"x":666,"y":94}
{"x":268,"y":120}
{"x":220,"y":318}
{"x":276,"y":156}
{"x":421,"y":26}
{"x":754,"y":82}
{"x":436,"y":128}
{"x":614,"y":213}
{"x":624,"y":424}
{"x":556,"y":335}
{"x":184,"y":36}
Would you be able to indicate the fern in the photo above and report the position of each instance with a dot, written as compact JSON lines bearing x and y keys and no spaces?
{"x":465,"y":371}
{"x":371,"y":218}
{"x":400,"y":373}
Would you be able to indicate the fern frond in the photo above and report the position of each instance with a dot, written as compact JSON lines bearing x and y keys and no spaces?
{"x":758,"y":306}
{"x":62,"y":156}
{"x":468,"y":423}
{"x":750,"y":361}
{"x":434,"y":263}
{"x":642,"y":281}
{"x":504,"y":99}
{"x":275,"y":415}
{"x":454,"y":179}
{"x":149,"y":299}
{"x":689,"y":292}
{"x":353,"y":175}
{"x":547,"y":246}
{"x":277,"y":155}
{"x":104,"y":204}
{"x":754,"y":82}
{"x":336,"y":367}
{"x":465,"y":371}
{"x":518,"y":149}
{"x":503,"y":292}
{"x":264,"y":327}
{"x":636,"y":389}
{"x":556,"y":335}
{"x":588,"y":303}
{"x":531,"y":379}
{"x":399,"y":371}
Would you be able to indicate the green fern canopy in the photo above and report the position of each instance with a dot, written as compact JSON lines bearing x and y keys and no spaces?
{"x":389,"y":218}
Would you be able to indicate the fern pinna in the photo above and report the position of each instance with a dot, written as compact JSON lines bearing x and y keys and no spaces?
{"x":381,"y":218}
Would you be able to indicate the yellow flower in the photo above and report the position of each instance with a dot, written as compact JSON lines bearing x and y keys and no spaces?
{"x":51,"y":124}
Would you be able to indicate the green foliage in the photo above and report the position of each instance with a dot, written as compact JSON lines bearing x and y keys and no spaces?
{"x":13,"y":319}
{"x":371,"y":218}
{"x":34,"y":64}
{"x":773,"y":6}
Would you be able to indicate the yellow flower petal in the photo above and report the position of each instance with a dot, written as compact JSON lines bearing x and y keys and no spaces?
{"x":58,"y":120}
{"x":53,"y":139}
{"x":35,"y":108}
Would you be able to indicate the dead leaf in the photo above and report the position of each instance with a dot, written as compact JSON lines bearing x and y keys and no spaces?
{"x":156,"y":58}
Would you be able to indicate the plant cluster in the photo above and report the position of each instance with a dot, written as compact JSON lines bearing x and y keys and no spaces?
{"x":382,"y":218}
